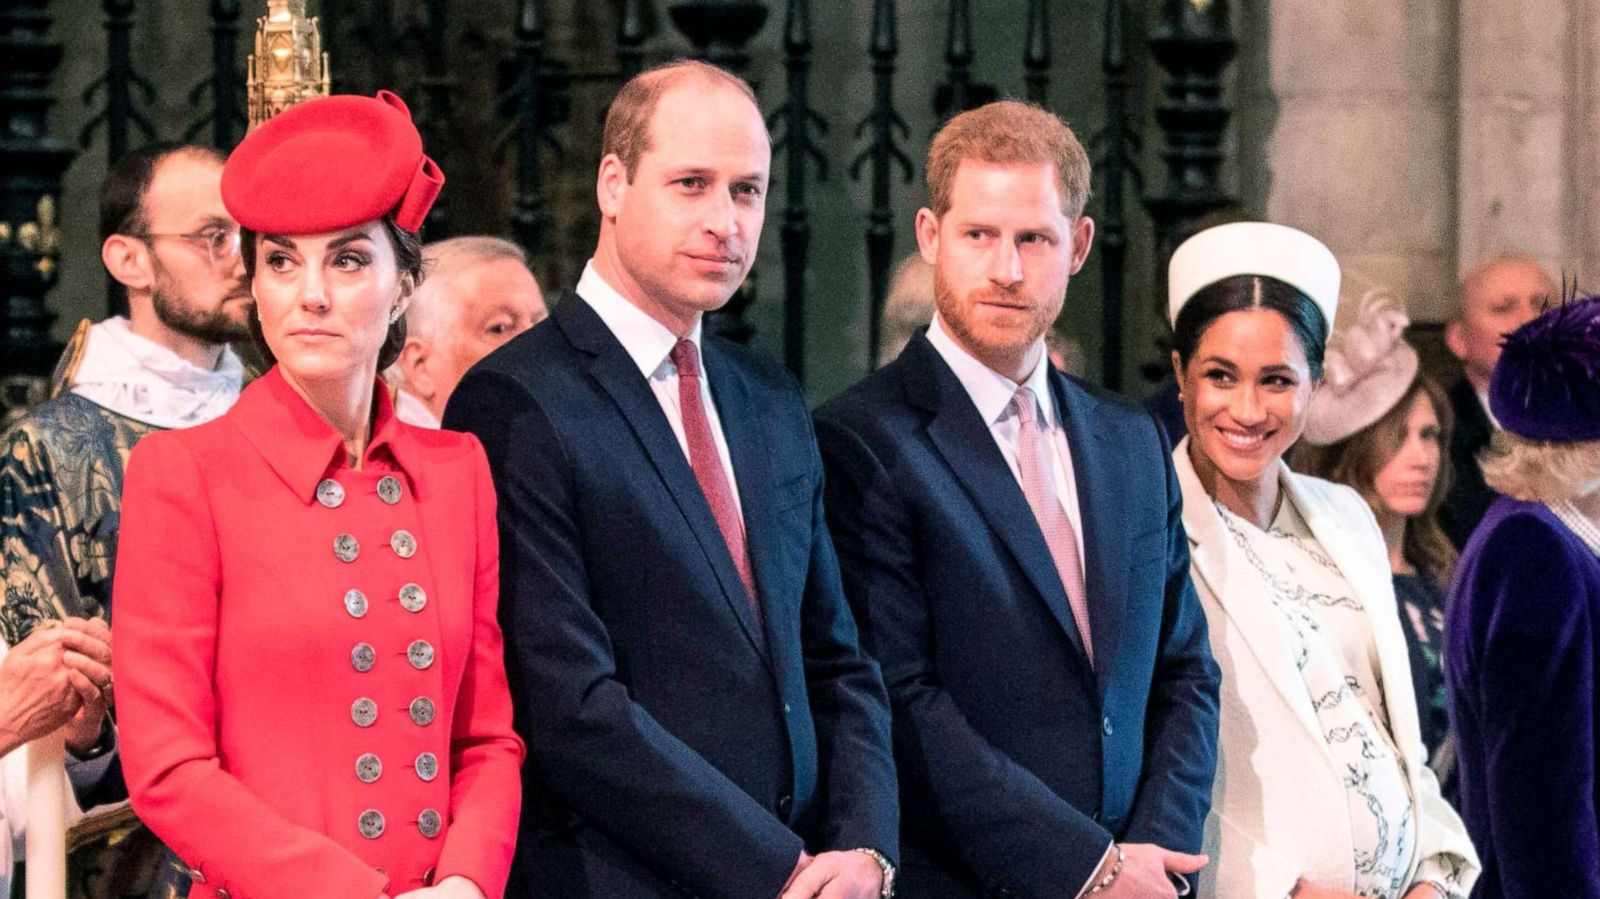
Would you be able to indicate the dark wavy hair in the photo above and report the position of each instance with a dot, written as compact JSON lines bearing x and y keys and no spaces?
{"x":408,"y":258}
{"x":1242,"y":292}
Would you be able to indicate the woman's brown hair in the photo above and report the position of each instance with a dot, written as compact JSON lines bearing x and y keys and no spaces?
{"x":1357,"y":459}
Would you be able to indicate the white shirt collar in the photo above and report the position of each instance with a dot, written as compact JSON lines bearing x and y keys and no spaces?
{"x":410,"y":408}
{"x":991,"y":391}
{"x":143,"y":380}
{"x":647,"y":341}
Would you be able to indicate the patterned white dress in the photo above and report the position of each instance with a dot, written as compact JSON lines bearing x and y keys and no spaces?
{"x":1327,"y":634}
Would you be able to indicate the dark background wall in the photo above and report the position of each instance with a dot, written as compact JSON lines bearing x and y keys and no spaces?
{"x":379,"y":43}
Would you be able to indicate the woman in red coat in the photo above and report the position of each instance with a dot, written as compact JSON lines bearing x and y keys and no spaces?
{"x":311,"y":690}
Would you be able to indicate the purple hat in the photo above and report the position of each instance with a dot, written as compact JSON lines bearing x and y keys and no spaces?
{"x":1546,"y":385}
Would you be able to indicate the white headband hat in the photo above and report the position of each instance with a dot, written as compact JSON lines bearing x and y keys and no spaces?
{"x":1254,"y":248}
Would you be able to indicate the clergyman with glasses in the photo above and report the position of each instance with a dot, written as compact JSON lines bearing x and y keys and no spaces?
{"x":169,"y":242}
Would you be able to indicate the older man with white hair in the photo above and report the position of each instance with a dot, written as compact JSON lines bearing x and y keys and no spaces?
{"x":477,"y":294}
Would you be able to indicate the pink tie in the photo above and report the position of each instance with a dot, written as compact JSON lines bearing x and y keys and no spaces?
{"x":1039,"y":486}
{"x":707,"y":464}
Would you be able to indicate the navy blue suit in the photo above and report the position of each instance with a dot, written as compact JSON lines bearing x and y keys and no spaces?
{"x":678,"y":743}
{"x":1018,"y":763}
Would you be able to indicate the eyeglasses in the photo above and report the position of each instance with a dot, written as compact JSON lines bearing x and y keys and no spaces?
{"x":221,"y":243}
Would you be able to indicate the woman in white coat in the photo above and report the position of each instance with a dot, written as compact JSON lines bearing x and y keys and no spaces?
{"x":1322,"y":788}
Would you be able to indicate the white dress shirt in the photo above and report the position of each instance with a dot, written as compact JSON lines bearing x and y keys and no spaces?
{"x":991,"y":392}
{"x":649,"y":343}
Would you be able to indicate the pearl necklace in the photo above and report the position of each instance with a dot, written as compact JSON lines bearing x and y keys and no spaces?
{"x":1580,"y":524}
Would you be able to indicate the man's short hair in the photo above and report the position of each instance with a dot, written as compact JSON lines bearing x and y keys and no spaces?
{"x":627,"y":131}
{"x":442,"y":258}
{"x":122,"y":193}
{"x":1008,"y":132}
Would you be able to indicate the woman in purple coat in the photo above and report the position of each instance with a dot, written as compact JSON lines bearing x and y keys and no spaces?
{"x":1524,"y":632}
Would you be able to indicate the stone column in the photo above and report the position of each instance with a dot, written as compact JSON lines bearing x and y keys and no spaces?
{"x":1528,"y":106}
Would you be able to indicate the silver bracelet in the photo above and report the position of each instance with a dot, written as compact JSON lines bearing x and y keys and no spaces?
{"x":887,"y":869}
{"x":1116,"y":868}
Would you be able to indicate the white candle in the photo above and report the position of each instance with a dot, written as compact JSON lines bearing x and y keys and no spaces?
{"x":46,"y":857}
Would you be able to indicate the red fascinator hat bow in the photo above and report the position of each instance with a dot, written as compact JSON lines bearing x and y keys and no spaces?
{"x":332,"y":163}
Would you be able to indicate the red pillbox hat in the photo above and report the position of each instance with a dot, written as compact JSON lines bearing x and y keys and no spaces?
{"x":332,"y":163}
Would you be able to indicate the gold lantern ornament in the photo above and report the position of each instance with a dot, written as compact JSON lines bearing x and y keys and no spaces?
{"x":288,"y":66}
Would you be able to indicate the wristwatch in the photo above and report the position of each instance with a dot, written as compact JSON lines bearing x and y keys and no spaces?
{"x":883,"y":865}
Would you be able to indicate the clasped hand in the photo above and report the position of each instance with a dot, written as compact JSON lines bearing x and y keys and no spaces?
{"x":835,"y":875}
{"x":60,"y":675}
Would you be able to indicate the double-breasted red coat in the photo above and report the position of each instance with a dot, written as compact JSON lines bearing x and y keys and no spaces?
{"x":311,"y":692}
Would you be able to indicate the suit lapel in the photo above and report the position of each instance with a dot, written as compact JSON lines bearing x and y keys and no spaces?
{"x":750,"y":450}
{"x":962,"y":436}
{"x":616,"y":373}
{"x":1101,"y":477}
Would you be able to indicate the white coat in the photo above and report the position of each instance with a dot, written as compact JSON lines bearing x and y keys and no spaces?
{"x":1279,"y":810}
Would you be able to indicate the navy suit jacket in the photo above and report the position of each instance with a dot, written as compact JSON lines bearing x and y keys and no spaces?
{"x":678,"y":744}
{"x":1019,"y":763}
{"x":1522,"y":664}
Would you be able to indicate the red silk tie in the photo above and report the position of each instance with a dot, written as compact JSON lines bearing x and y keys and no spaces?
{"x":707,"y":464}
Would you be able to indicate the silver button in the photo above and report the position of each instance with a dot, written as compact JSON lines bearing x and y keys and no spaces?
{"x":422,"y":711}
{"x":223,"y":894}
{"x":427,"y":877}
{"x":403,"y":544}
{"x":355,"y":602}
{"x":346,"y":548}
{"x":420,"y":654}
{"x":427,"y":766}
{"x":413,"y":598}
{"x":368,"y":767}
{"x":197,"y":875}
{"x":429,"y":822}
{"x":330,"y":493}
{"x":389,"y":489}
{"x":363,"y":712}
{"x":362,"y":657}
{"x":371,"y":824}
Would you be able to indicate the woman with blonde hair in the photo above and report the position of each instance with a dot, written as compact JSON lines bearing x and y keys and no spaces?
{"x":1381,"y":426}
{"x":1523,"y":654}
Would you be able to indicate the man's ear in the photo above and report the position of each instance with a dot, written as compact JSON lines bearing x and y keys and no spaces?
{"x":928,"y":235}
{"x":611,"y":184}
{"x":1082,"y":240}
{"x":127,"y":259}
{"x":415,"y":362}
{"x":1455,"y":340}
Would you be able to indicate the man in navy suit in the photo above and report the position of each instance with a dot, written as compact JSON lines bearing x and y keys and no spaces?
{"x":1011,"y":540}
{"x":700,"y":718}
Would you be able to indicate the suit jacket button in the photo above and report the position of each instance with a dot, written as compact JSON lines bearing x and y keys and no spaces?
{"x":371,"y":823}
{"x":420,"y":654}
{"x":422,"y":711}
{"x":427,"y":877}
{"x":364,"y":712}
{"x":223,"y":894}
{"x":330,"y":493}
{"x":368,"y":767}
{"x":355,"y":602}
{"x":427,"y":765}
{"x":362,"y":657}
{"x":346,"y":548}
{"x":403,"y":544}
{"x":389,"y":489}
{"x":1105,"y":725}
{"x":413,"y":598}
{"x":429,"y":823}
{"x":784,"y":805}
{"x":197,"y":875}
